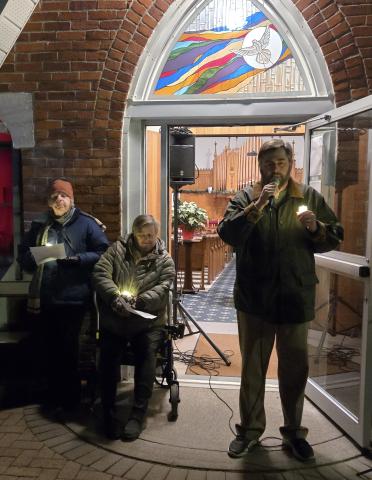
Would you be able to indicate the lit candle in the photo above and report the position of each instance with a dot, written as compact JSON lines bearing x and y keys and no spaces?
{"x":301,"y":209}
{"x":126,"y":294}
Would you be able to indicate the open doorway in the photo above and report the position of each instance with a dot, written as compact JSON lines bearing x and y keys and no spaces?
{"x":225,"y":162}
{"x":336,"y":163}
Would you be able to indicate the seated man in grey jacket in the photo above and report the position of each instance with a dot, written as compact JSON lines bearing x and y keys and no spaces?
{"x":135,"y":272}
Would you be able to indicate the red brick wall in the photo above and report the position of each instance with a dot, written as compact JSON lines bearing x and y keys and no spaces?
{"x":343,"y":29}
{"x":78,"y":58}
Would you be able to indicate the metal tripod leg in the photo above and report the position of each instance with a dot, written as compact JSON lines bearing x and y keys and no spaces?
{"x":185,"y":321}
{"x":319,"y":348}
{"x":176,"y":303}
{"x":185,"y":314}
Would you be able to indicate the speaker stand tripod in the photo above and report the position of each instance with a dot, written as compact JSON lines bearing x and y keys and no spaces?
{"x":176,"y":303}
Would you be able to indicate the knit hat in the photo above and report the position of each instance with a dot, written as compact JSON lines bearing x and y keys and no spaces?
{"x":63,"y":186}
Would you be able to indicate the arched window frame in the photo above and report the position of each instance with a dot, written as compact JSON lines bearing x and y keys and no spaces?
{"x":143,"y":109}
{"x":293,"y":29}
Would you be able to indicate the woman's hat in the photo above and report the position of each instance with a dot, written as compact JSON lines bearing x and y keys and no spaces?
{"x":63,"y":186}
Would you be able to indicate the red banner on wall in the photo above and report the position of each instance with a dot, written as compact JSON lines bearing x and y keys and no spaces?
{"x":6,"y":199}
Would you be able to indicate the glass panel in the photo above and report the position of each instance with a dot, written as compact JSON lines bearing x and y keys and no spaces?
{"x":340,"y":159}
{"x":230,"y":47}
{"x":226,"y":161}
{"x":335,"y":338}
{"x":153,"y":171}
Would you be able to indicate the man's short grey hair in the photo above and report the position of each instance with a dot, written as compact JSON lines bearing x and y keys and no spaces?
{"x":275,"y":144}
{"x":144,"y":221}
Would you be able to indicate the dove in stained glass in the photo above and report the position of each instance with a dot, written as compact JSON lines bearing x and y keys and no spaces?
{"x":263,"y":55}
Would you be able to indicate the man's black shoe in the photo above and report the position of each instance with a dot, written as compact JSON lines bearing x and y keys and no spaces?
{"x":112,"y":428}
{"x":132,"y":429}
{"x":240,"y":446}
{"x":300,"y":448}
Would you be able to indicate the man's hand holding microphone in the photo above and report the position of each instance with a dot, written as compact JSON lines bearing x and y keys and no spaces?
{"x":268,"y":193}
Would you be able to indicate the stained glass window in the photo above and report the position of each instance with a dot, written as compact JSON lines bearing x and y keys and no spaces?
{"x":230,"y":47}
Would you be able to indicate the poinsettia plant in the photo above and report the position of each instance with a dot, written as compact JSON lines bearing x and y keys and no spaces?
{"x":191,"y":216}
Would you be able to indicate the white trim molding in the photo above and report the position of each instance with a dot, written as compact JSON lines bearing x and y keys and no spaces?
{"x":13,"y":19}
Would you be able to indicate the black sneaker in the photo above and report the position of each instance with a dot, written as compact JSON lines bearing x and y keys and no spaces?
{"x":241,"y":446}
{"x":300,"y":448}
{"x":112,"y":427}
{"x":132,"y":429}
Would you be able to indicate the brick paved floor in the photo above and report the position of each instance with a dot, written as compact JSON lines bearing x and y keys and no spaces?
{"x":33,"y":447}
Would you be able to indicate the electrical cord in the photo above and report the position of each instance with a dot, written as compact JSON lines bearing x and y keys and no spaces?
{"x":211,"y":365}
{"x":340,"y":355}
{"x":205,"y":362}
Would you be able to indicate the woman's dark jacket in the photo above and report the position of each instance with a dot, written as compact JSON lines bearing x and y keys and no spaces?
{"x":149,"y":279}
{"x":275,"y":277}
{"x":63,"y":284}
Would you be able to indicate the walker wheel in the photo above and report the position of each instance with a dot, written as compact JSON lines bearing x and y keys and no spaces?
{"x":174,"y":399}
{"x":173,"y":377}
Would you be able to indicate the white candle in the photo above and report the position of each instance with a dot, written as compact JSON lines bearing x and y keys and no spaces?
{"x":301,"y":209}
{"x":126,"y":294}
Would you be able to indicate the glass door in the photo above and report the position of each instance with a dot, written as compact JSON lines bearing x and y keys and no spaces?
{"x":339,"y":154}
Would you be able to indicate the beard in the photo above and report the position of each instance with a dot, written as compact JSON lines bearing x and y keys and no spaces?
{"x":283,"y":179}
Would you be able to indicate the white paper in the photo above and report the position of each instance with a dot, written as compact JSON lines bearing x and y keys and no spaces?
{"x":48,"y":253}
{"x":142,"y":314}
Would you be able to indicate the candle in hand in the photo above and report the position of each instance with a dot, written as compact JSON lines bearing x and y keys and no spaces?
{"x":301,"y":209}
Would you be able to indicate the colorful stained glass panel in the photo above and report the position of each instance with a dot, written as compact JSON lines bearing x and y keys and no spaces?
{"x":227,"y":49}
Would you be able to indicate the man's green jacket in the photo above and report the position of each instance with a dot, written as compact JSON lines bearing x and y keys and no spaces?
{"x":275,"y":272}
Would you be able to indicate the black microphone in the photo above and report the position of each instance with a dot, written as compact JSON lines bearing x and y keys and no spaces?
{"x":272,"y":197}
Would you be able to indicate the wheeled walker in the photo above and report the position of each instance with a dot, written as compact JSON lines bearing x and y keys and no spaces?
{"x":166,"y":376}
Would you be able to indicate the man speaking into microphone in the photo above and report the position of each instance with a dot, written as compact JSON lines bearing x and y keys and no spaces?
{"x":276,"y":226}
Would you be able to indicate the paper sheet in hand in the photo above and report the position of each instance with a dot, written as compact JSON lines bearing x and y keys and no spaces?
{"x":47,"y":253}
{"x":149,"y":316}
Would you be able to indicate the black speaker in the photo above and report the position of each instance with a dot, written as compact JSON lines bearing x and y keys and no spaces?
{"x":181,"y":155}
{"x":182,"y":164}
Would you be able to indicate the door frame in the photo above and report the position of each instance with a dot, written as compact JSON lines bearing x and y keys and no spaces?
{"x":134,"y":201}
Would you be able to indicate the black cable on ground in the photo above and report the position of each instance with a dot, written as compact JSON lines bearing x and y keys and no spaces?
{"x":211,"y":365}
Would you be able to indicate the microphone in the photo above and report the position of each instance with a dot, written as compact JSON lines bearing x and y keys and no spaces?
{"x":272,"y":197}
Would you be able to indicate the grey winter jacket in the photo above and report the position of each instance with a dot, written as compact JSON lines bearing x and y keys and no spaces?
{"x":149,"y":280}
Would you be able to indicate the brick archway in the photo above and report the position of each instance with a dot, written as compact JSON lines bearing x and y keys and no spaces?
{"x":343,"y":31}
{"x":77,"y":58}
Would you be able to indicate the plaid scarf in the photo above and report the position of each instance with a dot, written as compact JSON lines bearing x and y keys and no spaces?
{"x":64,"y":218}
